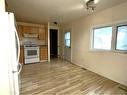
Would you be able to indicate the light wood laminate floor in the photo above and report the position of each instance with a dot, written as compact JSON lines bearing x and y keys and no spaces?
{"x":59,"y":77}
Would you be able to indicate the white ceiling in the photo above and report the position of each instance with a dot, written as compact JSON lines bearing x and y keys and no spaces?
{"x":61,"y":11}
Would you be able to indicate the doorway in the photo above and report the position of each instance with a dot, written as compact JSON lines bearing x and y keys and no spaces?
{"x":53,"y":43}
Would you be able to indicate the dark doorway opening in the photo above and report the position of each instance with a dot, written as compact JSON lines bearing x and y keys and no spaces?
{"x":53,"y":43}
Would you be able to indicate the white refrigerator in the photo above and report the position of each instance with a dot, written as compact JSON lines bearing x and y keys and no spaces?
{"x":9,"y":55}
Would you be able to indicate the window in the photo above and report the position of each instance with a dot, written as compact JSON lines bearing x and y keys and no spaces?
{"x":67,"y":39}
{"x":121,"y":40}
{"x":102,"y":38}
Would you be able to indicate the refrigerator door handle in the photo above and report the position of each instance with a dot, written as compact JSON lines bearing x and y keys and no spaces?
{"x":18,"y":46}
{"x":11,"y":16}
{"x":14,"y":71}
{"x":20,"y":68}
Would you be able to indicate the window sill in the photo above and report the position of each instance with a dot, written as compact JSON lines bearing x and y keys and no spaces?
{"x":67,"y":47}
{"x":113,"y":51}
{"x":100,"y":50}
{"x":119,"y":51}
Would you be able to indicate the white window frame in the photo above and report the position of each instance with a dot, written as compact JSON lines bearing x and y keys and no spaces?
{"x":92,"y":38}
{"x":67,"y":39}
{"x":113,"y":40}
{"x":116,"y":31}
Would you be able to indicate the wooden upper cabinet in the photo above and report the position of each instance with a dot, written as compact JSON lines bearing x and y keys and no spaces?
{"x":34,"y":30}
{"x":26,"y":29}
{"x":20,"y":31}
{"x":40,"y":30}
{"x":41,"y":34}
{"x":46,"y":35}
{"x":30,"y":29}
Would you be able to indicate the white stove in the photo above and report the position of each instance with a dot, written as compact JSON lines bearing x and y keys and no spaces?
{"x":31,"y":54}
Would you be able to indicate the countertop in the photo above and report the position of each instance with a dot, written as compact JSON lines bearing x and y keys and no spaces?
{"x":22,"y":46}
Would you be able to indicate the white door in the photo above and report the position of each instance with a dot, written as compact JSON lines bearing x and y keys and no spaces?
{"x":67,"y":45}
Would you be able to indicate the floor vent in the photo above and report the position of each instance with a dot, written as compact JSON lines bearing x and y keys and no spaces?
{"x":123,"y":89}
{"x":83,"y":68}
{"x":72,"y":63}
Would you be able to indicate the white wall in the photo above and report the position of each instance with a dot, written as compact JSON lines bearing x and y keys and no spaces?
{"x":2,"y":6}
{"x":109,"y":64}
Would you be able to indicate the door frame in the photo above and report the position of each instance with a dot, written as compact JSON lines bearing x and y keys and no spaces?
{"x":58,"y":40}
{"x":54,"y":42}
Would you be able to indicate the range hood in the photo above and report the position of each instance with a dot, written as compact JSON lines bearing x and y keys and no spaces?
{"x":30,"y":35}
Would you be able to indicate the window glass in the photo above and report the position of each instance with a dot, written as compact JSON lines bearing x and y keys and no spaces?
{"x":121,"y":43}
{"x":67,"y":39}
{"x":102,"y":38}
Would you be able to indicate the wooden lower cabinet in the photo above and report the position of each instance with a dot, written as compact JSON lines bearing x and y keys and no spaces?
{"x":43,"y":53}
{"x":21,"y":58}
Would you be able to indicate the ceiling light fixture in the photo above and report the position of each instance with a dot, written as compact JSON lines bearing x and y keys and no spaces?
{"x":96,"y":1}
{"x":91,"y":4}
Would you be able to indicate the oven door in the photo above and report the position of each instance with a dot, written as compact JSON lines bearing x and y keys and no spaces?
{"x":31,"y":52}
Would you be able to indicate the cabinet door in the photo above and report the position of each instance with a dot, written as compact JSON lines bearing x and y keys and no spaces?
{"x":30,"y":29}
{"x":34,"y":30}
{"x":43,"y":53}
{"x":26,"y":29}
{"x":41,"y":33}
{"x":19,"y":30}
{"x":21,"y":58}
